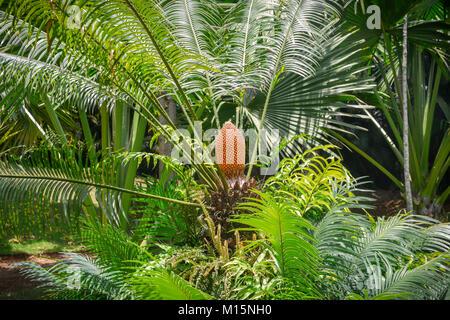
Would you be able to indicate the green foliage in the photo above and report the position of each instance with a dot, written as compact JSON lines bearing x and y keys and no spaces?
{"x":251,"y":275}
{"x":286,"y":65}
{"x":46,"y":190}
{"x":355,"y":257}
{"x":427,"y":61}
{"x":160,"y":221}
{"x":208,"y":58}
{"x":33,"y":206}
{"x":317,"y":184}
{"x":156,"y":284}
{"x":79,"y":276}
{"x":85,"y":277}
{"x":360,"y":254}
{"x":112,"y":246}
{"x":288,"y":235}
{"x":345,"y":255}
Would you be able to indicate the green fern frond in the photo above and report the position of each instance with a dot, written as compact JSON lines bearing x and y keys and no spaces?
{"x":317,"y":184}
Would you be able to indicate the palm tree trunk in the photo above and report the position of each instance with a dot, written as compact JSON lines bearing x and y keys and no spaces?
{"x":408,"y":192}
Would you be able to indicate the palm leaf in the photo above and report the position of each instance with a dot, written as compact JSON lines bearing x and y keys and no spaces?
{"x":163,"y":284}
{"x":55,"y":184}
{"x":427,"y":281}
{"x":78,"y":273}
{"x":371,"y":259}
{"x":288,"y":235}
{"x":319,"y":101}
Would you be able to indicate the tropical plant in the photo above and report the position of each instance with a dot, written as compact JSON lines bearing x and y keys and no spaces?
{"x":162,"y":221}
{"x":122,"y":48}
{"x":100,"y":273}
{"x":78,"y":277}
{"x":317,"y":185}
{"x":286,"y":65}
{"x":289,"y":239}
{"x":428,"y":43}
{"x":350,"y":256}
{"x":342,"y":255}
{"x":44,"y":191}
{"x":380,"y":259}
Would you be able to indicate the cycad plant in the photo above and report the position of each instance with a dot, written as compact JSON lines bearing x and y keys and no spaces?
{"x":272,"y":65}
{"x":230,"y":152}
{"x":255,"y":62}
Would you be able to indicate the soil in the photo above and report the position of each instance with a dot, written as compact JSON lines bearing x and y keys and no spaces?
{"x":390,"y":203}
{"x":387,"y":203}
{"x":13,"y":285}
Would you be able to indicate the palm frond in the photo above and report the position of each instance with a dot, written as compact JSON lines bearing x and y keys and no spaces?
{"x":270,"y":39}
{"x":372,"y":259}
{"x":321,"y":100}
{"x":113,"y":247}
{"x":54,"y":183}
{"x":158,"y":283}
{"x":194,"y":25}
{"x":428,"y":281}
{"x":79,"y":273}
{"x":287,"y":234}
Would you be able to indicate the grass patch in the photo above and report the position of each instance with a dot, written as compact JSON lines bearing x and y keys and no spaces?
{"x":23,"y":294}
{"x":36,"y":247}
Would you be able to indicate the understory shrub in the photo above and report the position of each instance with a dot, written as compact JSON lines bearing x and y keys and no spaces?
{"x":305,"y":243}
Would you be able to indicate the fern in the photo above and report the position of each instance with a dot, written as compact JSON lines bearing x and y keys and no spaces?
{"x":317,"y":184}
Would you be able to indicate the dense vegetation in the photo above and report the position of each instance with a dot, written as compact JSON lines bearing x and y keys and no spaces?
{"x":93,"y":95}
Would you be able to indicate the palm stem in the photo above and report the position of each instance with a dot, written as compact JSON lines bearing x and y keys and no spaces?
{"x":87,"y":135}
{"x":99,"y":185}
{"x":406,"y":170}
